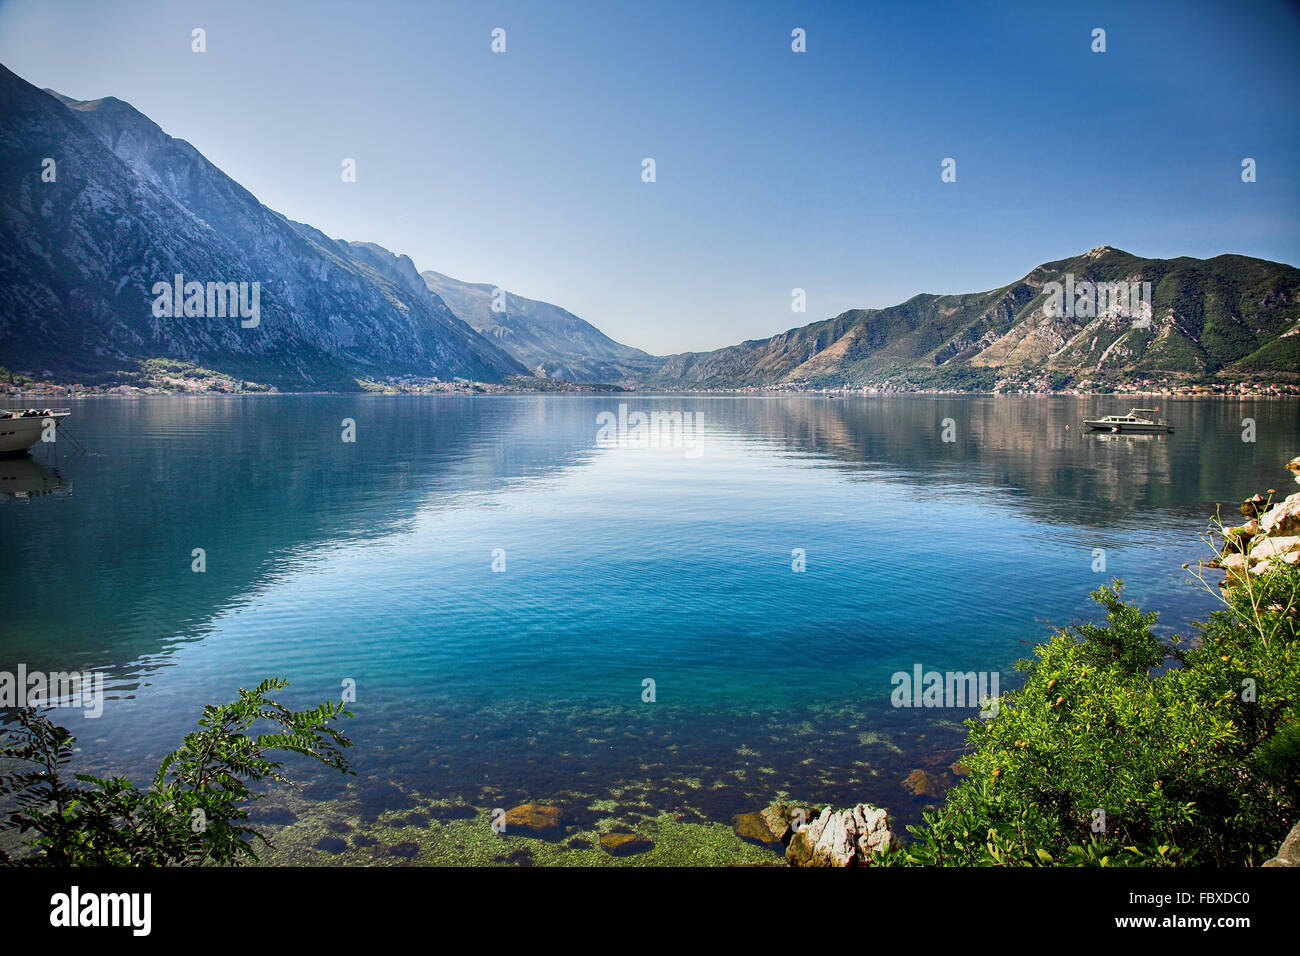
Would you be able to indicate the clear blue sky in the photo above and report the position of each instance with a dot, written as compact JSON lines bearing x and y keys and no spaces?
{"x":775,"y":169}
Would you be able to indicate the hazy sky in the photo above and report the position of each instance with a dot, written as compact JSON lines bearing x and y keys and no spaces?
{"x":775,"y":169}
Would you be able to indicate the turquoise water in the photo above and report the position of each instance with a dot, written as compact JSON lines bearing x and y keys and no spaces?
{"x":372,"y":561}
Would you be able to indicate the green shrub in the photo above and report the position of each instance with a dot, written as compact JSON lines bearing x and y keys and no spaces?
{"x":1123,"y":749}
{"x":194,"y":813}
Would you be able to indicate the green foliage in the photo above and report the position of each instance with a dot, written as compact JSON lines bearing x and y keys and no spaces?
{"x":1191,"y":750}
{"x":195,"y":811}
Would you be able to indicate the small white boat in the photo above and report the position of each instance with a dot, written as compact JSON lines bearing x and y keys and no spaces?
{"x":1132,"y":422}
{"x":19,"y":430}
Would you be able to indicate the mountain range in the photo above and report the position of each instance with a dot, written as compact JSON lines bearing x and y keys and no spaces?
{"x":98,"y":206}
{"x":1231,"y":315}
{"x":551,"y":341}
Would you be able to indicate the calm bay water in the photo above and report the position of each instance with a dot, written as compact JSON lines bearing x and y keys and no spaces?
{"x":372,"y":561}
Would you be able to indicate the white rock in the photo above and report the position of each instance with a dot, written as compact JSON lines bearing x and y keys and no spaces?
{"x":1282,"y":518}
{"x":842,"y":837}
{"x":1271,"y":547}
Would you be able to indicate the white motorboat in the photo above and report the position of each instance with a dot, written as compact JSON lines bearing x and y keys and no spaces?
{"x":1132,"y":422}
{"x":19,"y":430}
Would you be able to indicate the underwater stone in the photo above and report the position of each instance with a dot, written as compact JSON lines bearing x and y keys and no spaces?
{"x":922,"y":784}
{"x":533,"y":820}
{"x":624,"y":844}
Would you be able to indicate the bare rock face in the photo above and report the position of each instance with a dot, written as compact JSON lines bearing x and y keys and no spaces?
{"x":842,"y":838}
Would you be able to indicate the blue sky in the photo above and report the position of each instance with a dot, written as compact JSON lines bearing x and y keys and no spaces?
{"x":775,"y":170}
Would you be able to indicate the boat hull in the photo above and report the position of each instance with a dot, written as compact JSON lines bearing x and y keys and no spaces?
{"x":19,"y":434}
{"x":1129,"y":428}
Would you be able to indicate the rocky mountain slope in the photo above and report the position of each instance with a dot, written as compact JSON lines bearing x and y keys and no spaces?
{"x":130,"y":206}
{"x":125,"y":206}
{"x":1231,"y":314}
{"x":551,"y":341}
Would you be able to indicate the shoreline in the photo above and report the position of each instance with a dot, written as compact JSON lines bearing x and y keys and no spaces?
{"x":74,"y":393}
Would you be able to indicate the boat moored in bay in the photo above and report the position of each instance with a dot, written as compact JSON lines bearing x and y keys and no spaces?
{"x":19,"y":430}
{"x":1133,"y":422}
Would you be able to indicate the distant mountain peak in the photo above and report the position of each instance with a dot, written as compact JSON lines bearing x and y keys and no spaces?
{"x":552,"y":341}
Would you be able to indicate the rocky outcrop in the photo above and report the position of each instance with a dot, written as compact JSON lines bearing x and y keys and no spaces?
{"x":842,"y":838}
{"x":1271,"y":536}
{"x":785,"y":819}
{"x":1282,"y":518}
{"x":1289,"y":853}
{"x":774,"y":825}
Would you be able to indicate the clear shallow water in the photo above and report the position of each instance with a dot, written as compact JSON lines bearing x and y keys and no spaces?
{"x":372,"y":561}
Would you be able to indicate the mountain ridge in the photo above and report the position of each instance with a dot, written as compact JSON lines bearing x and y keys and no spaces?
{"x":549,"y":339}
{"x":1230,"y":314}
{"x":130,"y":206}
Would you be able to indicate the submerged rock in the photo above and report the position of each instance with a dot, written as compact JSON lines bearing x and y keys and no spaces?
{"x":534,"y":820}
{"x":457,"y":811}
{"x":380,"y":797}
{"x":753,"y":826}
{"x":333,"y":845}
{"x":273,"y":816}
{"x":922,"y":784}
{"x":842,"y":838}
{"x":624,"y":844}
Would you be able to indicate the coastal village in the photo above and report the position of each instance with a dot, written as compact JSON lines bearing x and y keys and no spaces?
{"x":194,"y":381}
